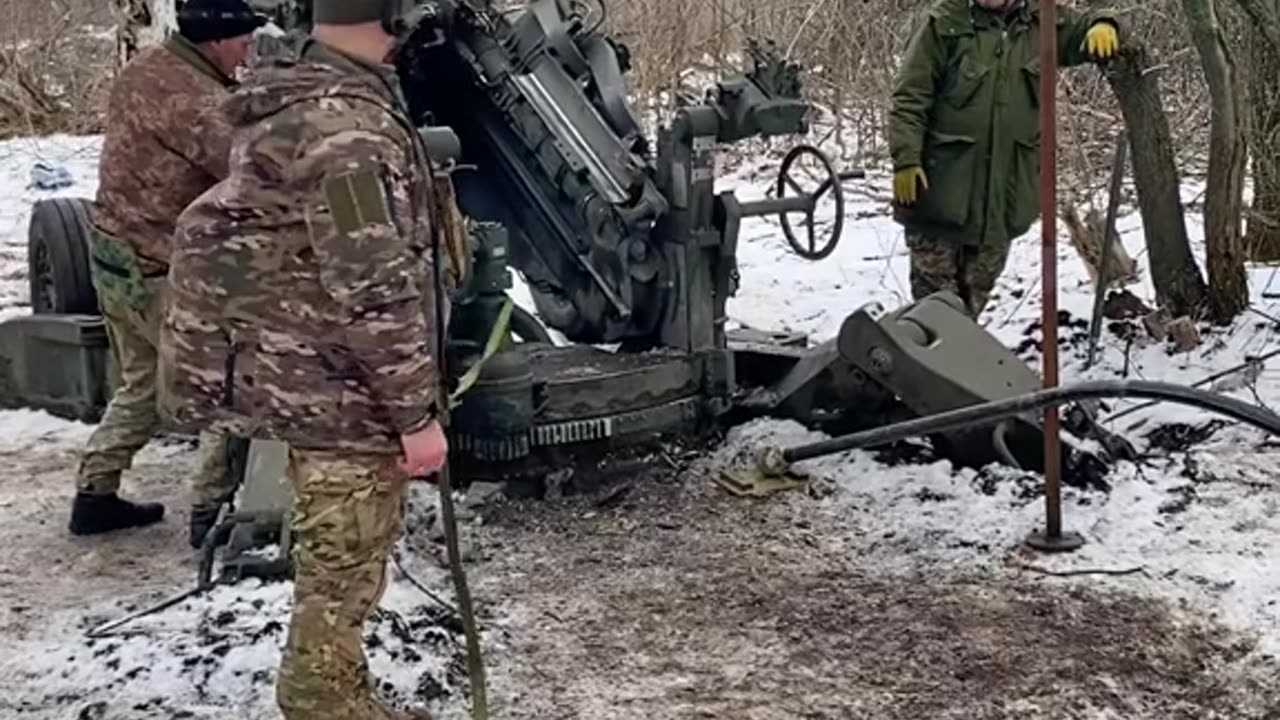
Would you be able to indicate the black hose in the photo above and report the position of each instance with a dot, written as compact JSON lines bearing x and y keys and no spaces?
{"x":600,"y":21}
{"x":999,"y":438}
{"x":215,"y":537}
{"x":993,"y":412}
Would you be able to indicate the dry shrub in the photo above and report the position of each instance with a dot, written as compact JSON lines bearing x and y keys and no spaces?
{"x":56,"y":60}
{"x":57,"y":57}
{"x":851,"y":50}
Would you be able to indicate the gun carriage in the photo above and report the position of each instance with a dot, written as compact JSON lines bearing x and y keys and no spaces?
{"x":629,"y":254}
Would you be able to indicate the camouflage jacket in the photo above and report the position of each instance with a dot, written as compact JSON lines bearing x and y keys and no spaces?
{"x":966,"y":108}
{"x":165,"y":144}
{"x":302,"y":301}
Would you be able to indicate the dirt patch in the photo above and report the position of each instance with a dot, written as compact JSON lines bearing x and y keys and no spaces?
{"x":683,"y":603}
{"x":210,"y":656}
{"x":1177,"y":437}
{"x":45,"y":570}
{"x":667,"y":600}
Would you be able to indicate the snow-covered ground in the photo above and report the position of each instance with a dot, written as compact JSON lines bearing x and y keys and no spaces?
{"x":1203,"y":524}
{"x":1197,"y":526}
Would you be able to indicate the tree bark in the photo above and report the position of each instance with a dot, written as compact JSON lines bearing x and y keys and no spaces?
{"x":164,"y":19}
{"x":1228,"y":156}
{"x":1265,"y":16}
{"x":140,"y":23}
{"x":1262,"y":240}
{"x":1179,"y":286}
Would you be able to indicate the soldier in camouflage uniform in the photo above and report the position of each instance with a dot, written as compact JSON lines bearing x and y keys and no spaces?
{"x":303,"y":310}
{"x":163,"y":148}
{"x":964,"y":133}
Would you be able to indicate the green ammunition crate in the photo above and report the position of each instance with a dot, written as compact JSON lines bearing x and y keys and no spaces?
{"x":58,"y":363}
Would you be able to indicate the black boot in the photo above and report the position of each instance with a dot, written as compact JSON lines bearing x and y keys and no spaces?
{"x":202,"y":521}
{"x":97,"y":514}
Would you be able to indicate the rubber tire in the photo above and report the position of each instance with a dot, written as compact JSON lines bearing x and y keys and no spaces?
{"x":58,"y":239}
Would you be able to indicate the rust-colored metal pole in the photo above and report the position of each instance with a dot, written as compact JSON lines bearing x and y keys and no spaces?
{"x":1052,"y":537}
{"x":1049,"y":256}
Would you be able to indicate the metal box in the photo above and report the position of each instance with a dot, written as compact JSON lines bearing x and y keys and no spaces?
{"x":62,"y":364}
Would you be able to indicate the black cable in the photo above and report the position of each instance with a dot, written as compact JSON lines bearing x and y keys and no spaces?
{"x":604,"y":15}
{"x":993,"y":412}
{"x":999,"y":438}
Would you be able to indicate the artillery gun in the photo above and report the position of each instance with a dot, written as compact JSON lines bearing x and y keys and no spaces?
{"x":629,"y":253}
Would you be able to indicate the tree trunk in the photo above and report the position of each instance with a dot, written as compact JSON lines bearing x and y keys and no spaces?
{"x":1178,"y":283}
{"x":1263,"y":238}
{"x":130,"y":17}
{"x":164,"y":19}
{"x":140,"y":23}
{"x":1228,"y":156}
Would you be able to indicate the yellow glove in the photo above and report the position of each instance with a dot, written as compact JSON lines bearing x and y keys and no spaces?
{"x":904,"y":184}
{"x":1102,"y":40}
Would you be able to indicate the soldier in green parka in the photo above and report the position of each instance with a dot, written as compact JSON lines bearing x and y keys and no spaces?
{"x":964,"y":133}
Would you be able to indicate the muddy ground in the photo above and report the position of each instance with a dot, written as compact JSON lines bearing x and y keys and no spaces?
{"x":44,"y":570}
{"x":667,"y":598}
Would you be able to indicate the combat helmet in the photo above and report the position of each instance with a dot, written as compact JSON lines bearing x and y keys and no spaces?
{"x":398,"y":17}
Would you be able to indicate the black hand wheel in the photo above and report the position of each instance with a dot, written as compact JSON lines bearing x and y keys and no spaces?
{"x":812,"y":249}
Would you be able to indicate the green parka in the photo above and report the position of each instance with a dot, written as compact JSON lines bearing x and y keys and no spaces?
{"x":966,"y":109}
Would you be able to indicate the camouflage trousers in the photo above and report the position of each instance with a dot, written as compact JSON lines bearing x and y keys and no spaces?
{"x":132,"y":418}
{"x":347,"y":516}
{"x":969,"y":272}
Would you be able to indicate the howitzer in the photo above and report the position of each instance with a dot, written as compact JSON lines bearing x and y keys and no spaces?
{"x":624,"y":242}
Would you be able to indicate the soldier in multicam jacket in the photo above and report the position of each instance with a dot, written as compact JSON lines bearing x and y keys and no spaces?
{"x":303,"y":310}
{"x":164,"y":146}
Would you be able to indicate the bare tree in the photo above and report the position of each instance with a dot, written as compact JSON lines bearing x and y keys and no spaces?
{"x":140,"y":23}
{"x":1262,"y":40}
{"x":1228,"y":157}
{"x":54,"y":67}
{"x":1178,"y":283}
{"x":1265,"y":16}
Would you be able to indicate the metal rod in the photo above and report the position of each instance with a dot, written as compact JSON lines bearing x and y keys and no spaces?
{"x":1049,"y":258}
{"x":992,"y":413}
{"x":773,"y":206}
{"x":448,"y":516}
{"x":1109,"y":238}
{"x":475,"y":661}
{"x":205,"y":581}
{"x":102,"y":630}
{"x":1199,"y":383}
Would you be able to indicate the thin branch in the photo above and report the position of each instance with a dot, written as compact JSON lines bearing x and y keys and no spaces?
{"x":1265,"y":18}
{"x":1082,"y":571}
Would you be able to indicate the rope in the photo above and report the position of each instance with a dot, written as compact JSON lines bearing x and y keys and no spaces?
{"x":491,"y":347}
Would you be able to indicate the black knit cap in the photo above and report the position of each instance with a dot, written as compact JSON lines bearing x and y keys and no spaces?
{"x":209,"y":20}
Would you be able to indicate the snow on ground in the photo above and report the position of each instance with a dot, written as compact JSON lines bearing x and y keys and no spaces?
{"x":1202,"y":524}
{"x":216,"y":652}
{"x":1198,"y":523}
{"x":22,"y":430}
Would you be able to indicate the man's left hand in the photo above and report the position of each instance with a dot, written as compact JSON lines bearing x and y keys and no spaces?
{"x":1102,"y":40}
{"x":425,"y":451}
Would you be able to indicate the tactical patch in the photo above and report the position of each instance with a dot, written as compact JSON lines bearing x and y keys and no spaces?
{"x":115,"y":273}
{"x":357,"y":201}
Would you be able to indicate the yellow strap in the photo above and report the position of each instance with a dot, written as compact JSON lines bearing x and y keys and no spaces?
{"x":496,"y":337}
